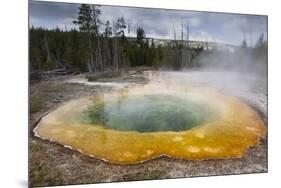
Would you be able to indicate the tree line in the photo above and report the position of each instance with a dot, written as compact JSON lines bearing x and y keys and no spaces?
{"x":98,"y":46}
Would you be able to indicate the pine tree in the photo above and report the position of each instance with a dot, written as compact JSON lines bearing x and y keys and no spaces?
{"x":140,"y":35}
{"x":88,"y":21}
{"x":85,"y":21}
{"x":120,"y":26}
{"x":108,"y":29}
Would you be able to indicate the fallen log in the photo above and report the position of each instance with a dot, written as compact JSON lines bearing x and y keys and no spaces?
{"x":45,"y":75}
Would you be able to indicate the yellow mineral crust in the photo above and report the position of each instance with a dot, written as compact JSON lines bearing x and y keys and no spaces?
{"x":237,"y":128}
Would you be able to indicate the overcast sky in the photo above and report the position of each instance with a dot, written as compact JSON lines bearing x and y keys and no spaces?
{"x":158,"y":23}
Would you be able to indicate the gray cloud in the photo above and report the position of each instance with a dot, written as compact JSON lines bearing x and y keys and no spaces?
{"x":53,"y":10}
{"x":157,"y":23}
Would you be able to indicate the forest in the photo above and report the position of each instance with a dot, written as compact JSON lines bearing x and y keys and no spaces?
{"x":101,"y":46}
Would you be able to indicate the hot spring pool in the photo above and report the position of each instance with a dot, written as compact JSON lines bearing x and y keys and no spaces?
{"x":147,"y":113}
{"x":132,"y":125}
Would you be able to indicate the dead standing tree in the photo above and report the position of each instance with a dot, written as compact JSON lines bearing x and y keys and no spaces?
{"x":175,"y":37}
{"x":182,"y":63}
{"x":185,"y":57}
{"x":115,"y":47}
{"x":49,"y":59}
{"x":106,"y":50}
{"x":96,"y":23}
{"x":118,"y":41}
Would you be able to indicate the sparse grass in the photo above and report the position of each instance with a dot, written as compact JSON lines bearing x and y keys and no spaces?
{"x":53,"y":88}
{"x":36,"y":105}
{"x":43,"y":94}
{"x":42,"y":168}
{"x":42,"y":171}
{"x":44,"y":175}
{"x":145,"y":175}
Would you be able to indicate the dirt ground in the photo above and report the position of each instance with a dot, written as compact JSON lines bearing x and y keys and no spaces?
{"x":53,"y":164}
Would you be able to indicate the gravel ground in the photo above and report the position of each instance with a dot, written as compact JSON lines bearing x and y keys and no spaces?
{"x":52,"y":164}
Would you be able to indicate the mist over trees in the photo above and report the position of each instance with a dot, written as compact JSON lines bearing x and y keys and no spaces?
{"x":102,"y":45}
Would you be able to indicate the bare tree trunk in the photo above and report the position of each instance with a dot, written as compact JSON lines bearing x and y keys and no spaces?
{"x":188,"y":57}
{"x":115,"y":53}
{"x":47,"y":46}
{"x":91,"y":66}
{"x":115,"y":48}
{"x":99,"y":59}
{"x":182,"y":45}
{"x":175,"y":36}
{"x":107,"y":54}
{"x":181,"y":31}
{"x":182,"y":58}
